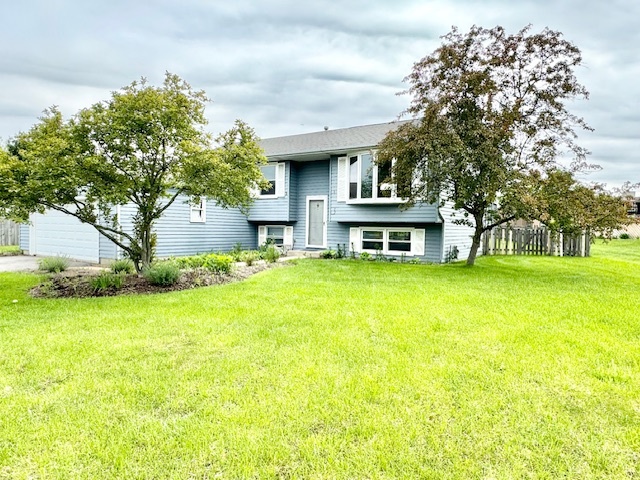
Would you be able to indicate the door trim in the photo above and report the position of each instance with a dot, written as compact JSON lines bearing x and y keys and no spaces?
{"x":310,"y":198}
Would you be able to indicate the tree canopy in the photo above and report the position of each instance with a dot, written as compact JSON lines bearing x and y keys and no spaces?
{"x":146,"y":145}
{"x":490,"y":109}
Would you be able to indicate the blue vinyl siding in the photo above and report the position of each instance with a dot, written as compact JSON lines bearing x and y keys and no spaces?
{"x":177,"y":236}
{"x":107,"y":249}
{"x":291,"y":174}
{"x":458,"y":236}
{"x":270,"y":210}
{"x":24,"y":237}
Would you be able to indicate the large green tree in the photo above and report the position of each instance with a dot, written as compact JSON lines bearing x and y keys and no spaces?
{"x":490,"y":108}
{"x":146,"y":145}
{"x":566,"y":205}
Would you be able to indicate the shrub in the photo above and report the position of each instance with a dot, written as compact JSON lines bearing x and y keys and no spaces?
{"x":237,"y":252}
{"x":328,"y":254}
{"x":163,"y":274}
{"x":249,"y":257}
{"x":124,"y":265}
{"x":107,"y":280}
{"x":271,"y":254}
{"x":218,"y":263}
{"x":365,"y":256}
{"x":624,"y":236}
{"x":54,"y":264}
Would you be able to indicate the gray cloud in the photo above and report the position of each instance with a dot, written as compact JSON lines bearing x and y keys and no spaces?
{"x":288,"y":67}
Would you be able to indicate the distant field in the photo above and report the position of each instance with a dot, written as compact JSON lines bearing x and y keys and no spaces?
{"x":521,"y":367}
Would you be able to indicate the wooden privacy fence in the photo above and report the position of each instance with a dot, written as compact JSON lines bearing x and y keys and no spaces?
{"x":534,"y":241}
{"x":9,"y":233}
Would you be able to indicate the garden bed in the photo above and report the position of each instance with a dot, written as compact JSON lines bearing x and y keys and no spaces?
{"x":77,"y":283}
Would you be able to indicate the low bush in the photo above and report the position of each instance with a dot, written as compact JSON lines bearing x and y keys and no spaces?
{"x":214,"y":262}
{"x":163,"y":273}
{"x":328,"y":254}
{"x":270,"y":253}
{"x":624,"y":236}
{"x":249,"y":256}
{"x":54,"y":264}
{"x":218,"y":263}
{"x":365,"y":256}
{"x":107,"y":280}
{"x":124,"y":265}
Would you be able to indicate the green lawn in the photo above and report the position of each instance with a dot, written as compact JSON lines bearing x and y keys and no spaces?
{"x":521,"y":367}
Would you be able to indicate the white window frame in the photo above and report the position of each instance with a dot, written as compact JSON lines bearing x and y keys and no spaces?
{"x":280,"y":174}
{"x":393,"y":198}
{"x":310,"y":198}
{"x":198,"y":212}
{"x":287,"y":235}
{"x":385,"y":240}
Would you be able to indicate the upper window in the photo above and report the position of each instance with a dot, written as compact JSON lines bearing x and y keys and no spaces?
{"x":368,"y":181}
{"x":274,"y":173}
{"x":269,"y":173}
{"x":198,"y":211}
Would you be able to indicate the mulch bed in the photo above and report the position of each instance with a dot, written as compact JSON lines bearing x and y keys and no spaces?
{"x":76,"y":283}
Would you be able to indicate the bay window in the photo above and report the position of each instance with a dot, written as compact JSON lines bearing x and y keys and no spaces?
{"x":365,"y":180}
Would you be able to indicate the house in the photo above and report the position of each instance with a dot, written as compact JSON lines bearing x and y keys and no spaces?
{"x":325,"y":190}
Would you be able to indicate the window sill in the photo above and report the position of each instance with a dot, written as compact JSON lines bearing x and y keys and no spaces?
{"x":390,"y":252}
{"x":375,"y":201}
{"x":268,"y":197}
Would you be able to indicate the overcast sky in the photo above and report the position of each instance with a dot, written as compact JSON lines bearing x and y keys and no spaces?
{"x":289,"y":67}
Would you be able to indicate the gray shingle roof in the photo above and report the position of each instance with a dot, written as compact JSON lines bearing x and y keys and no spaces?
{"x":328,"y":141}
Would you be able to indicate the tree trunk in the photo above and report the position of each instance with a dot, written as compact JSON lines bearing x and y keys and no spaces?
{"x":475,"y":244}
{"x":146,"y":254}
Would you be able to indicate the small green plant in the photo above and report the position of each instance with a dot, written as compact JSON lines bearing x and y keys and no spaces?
{"x":124,"y":265}
{"x":163,"y":273}
{"x":380,"y":256}
{"x":452,"y":254}
{"x":237,"y":252}
{"x":352,"y":253}
{"x":366,"y":256}
{"x":249,"y":257}
{"x":271,"y":254}
{"x":107,"y":280}
{"x":624,"y":236}
{"x":328,"y":254}
{"x":341,"y":251}
{"x":415,"y":261}
{"x":54,"y":264}
{"x":218,"y":263}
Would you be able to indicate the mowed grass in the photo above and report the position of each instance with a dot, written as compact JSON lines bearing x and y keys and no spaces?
{"x":521,"y":367}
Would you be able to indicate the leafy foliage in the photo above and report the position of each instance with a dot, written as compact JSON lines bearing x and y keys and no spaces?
{"x":107,"y":280}
{"x":162,"y":273}
{"x":491,"y":109}
{"x":54,"y":264}
{"x":249,"y":257}
{"x":123,"y":265}
{"x":270,"y":253}
{"x":213,"y":262}
{"x":146,"y":145}
{"x":565,"y":205}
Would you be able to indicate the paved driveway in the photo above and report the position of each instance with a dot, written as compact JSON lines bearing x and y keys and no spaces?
{"x":26,"y":263}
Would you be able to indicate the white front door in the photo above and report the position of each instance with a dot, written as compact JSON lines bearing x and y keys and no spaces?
{"x":317,"y":222}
